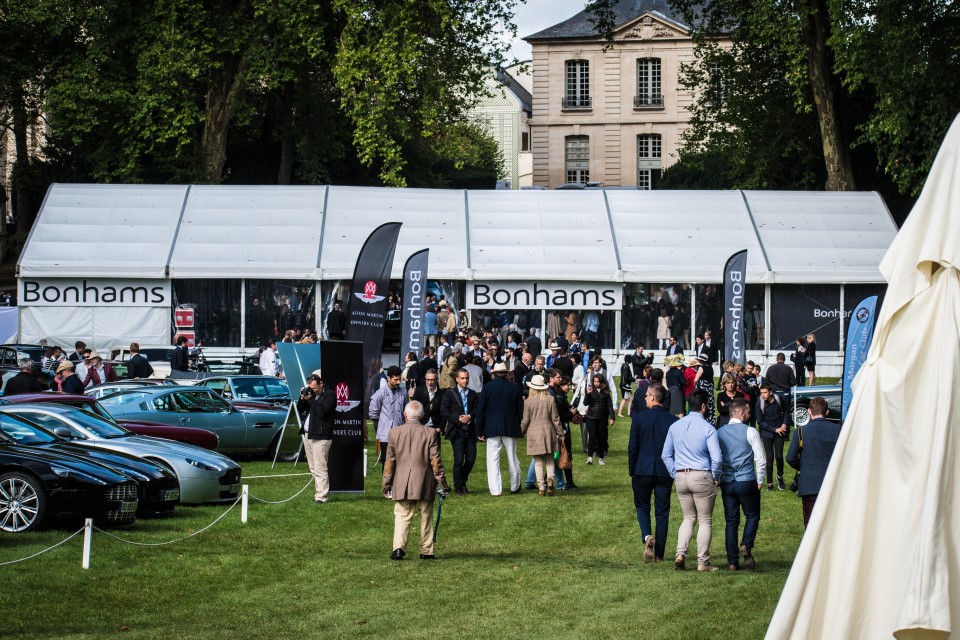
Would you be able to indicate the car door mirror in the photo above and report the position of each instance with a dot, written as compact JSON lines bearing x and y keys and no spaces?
{"x":63,"y":432}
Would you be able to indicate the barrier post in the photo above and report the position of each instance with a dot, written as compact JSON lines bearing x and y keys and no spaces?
{"x":244,"y":502}
{"x":87,"y":539}
{"x":364,"y":462}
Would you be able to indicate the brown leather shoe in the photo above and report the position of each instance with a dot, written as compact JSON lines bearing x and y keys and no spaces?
{"x":733,"y":567}
{"x":707,"y":567}
{"x":747,"y":556}
{"x":541,"y":492}
{"x":680,"y":562}
{"x":551,"y":487}
{"x":648,"y":549}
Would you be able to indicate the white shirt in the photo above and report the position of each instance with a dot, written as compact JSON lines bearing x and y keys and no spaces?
{"x":268,"y":362}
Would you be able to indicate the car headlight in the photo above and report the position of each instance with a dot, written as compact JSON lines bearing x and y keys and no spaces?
{"x":74,"y":474}
{"x":206,"y":466}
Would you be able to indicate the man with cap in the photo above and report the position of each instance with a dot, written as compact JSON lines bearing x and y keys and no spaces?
{"x":317,"y":431}
{"x":98,"y":371}
{"x":558,"y":360}
{"x":69,"y":382}
{"x":499,"y":410}
{"x":411,"y":474}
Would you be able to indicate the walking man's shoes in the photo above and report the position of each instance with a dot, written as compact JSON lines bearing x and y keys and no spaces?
{"x":648,"y":549}
{"x":398,"y":554}
{"x":707,"y":567}
{"x":425,"y":556}
{"x":680,"y":562}
{"x":747,"y":556}
{"x":780,"y":484}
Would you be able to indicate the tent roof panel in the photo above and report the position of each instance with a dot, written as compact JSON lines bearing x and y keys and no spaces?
{"x":249,"y":232}
{"x":432,"y":219}
{"x":124,"y":229}
{"x":555,"y":235}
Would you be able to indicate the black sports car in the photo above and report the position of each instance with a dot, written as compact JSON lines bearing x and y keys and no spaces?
{"x":37,"y":483}
{"x":159,"y":489}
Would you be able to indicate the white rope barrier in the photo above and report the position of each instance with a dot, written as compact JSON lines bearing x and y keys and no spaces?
{"x":282,"y":501}
{"x":160,"y":544}
{"x":278,"y":475}
{"x":40,"y":553}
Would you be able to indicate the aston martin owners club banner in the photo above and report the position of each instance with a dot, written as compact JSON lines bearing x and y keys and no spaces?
{"x":414,"y":290}
{"x":342,"y":367}
{"x":367,"y":302}
{"x":734,"y":291}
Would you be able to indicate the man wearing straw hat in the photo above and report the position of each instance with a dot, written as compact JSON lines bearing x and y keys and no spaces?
{"x":499,"y":409}
{"x":69,"y":382}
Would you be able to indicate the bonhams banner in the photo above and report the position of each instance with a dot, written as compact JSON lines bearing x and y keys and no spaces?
{"x":734,"y":290}
{"x":414,"y":289}
{"x":342,"y":365}
{"x":859,"y":337}
{"x":367,"y":302}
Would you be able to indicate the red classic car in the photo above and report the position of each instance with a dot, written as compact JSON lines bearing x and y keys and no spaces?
{"x":200,"y":437}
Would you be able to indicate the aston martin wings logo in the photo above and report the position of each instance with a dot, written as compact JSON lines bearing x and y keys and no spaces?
{"x":344,"y":403}
{"x":369,"y":294}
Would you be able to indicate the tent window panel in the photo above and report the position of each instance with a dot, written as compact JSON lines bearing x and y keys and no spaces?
{"x":799,"y":309}
{"x":275,"y":306}
{"x":710,"y":312}
{"x":216,"y":305}
{"x":642,"y":305}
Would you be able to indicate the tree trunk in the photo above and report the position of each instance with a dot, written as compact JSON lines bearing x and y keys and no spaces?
{"x":21,"y":168}
{"x":225,"y":80}
{"x":287,"y":142}
{"x":836,"y":152}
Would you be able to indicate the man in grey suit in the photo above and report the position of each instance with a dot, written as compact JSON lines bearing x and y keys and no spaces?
{"x":810,"y":453}
{"x":411,"y":474}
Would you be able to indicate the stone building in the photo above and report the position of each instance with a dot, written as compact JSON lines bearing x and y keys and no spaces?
{"x":614,"y":117}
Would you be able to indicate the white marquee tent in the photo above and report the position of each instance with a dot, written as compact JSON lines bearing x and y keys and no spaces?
{"x":155,"y":235}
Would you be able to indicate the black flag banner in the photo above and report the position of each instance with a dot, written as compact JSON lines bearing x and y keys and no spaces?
{"x":414,"y":290}
{"x":367,"y":306}
{"x":343,"y":373}
{"x":734,"y":291}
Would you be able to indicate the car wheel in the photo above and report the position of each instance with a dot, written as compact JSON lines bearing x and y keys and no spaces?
{"x":800,"y":415}
{"x":283,"y":456}
{"x":23,"y":503}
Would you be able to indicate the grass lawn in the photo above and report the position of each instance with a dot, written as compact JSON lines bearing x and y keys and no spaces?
{"x":513,"y":567}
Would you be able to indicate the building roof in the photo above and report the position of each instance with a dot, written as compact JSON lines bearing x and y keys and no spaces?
{"x":315,"y":233}
{"x":582,"y":24}
{"x":518,"y":90}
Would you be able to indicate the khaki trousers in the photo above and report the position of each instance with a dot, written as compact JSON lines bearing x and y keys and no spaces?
{"x":318,"y":452}
{"x":403,"y":512}
{"x":697,"y":494}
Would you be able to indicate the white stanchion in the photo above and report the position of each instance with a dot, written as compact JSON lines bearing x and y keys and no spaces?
{"x":87,"y":539}
{"x":244,"y":503}
{"x":364,"y":462}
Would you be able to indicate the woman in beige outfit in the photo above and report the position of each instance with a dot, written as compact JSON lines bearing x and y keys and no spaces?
{"x":541,"y":425}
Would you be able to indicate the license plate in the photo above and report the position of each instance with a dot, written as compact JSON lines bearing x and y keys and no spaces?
{"x":169,"y":494}
{"x":128,"y":506}
{"x":235,"y":488}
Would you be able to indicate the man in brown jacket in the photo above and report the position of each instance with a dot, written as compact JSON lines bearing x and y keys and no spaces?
{"x":411,"y":474}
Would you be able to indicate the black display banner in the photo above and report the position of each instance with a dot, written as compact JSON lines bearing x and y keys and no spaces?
{"x":342,"y":365}
{"x":414,"y":290}
{"x":367,"y":302}
{"x":734,"y":291}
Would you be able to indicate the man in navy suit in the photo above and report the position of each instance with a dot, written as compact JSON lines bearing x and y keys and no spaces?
{"x":810,"y":453}
{"x":458,"y":409}
{"x":499,"y":410}
{"x":649,"y":474}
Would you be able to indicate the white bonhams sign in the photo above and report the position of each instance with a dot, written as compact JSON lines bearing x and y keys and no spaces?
{"x":56,"y":292}
{"x":544,"y":295}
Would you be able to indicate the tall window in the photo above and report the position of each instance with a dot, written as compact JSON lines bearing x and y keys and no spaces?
{"x":717,"y":86}
{"x":578,"y":159}
{"x":649,"y":168}
{"x":649,"y":88}
{"x":577,"y":92}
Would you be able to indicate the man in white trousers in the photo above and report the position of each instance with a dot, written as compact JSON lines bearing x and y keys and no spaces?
{"x":499,"y":410}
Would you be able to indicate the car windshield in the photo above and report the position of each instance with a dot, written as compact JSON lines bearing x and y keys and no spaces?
{"x":93,"y":408}
{"x":259,"y":388}
{"x":100,"y":426}
{"x":23,"y":432}
{"x":201,"y":401}
{"x":122,"y":399}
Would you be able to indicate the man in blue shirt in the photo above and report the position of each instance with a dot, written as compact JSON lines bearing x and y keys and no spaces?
{"x":430,"y":326}
{"x":692,"y":456}
{"x":740,"y":483}
{"x":649,"y":475}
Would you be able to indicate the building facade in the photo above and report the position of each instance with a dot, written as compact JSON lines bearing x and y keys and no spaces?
{"x":612,"y":116}
{"x":505,"y":115}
